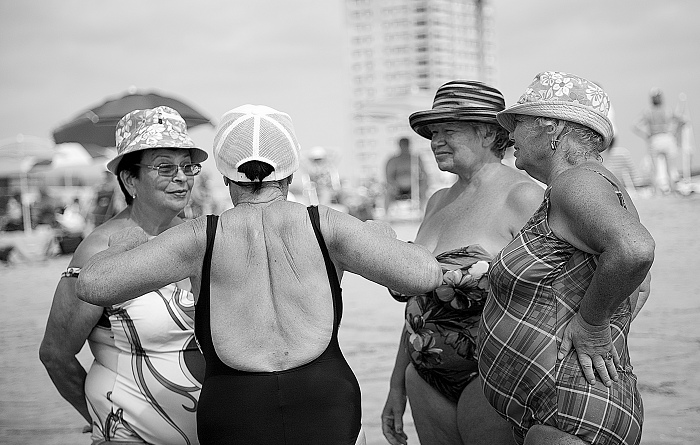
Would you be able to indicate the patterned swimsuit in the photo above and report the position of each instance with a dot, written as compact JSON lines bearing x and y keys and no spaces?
{"x":537,"y":282}
{"x":144,"y":384}
{"x":442,"y":325}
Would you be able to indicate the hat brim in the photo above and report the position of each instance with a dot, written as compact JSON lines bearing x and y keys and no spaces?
{"x":420,"y":120}
{"x":559,"y":110}
{"x":197,"y":155}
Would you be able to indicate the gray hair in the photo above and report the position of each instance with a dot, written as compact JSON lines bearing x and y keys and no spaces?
{"x":501,"y":140}
{"x":589,"y":143}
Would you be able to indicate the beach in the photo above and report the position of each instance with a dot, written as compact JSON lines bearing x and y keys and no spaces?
{"x":664,"y":340}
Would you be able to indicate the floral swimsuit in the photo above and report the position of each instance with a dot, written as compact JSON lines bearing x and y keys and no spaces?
{"x":442,"y":325}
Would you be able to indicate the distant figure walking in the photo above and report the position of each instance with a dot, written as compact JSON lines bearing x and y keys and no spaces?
{"x":658,"y":127}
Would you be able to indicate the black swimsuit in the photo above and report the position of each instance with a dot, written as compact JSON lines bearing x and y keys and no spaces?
{"x":316,"y":403}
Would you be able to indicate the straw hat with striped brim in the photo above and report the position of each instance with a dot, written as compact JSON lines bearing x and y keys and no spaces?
{"x":459,"y":100}
{"x":563,"y":96}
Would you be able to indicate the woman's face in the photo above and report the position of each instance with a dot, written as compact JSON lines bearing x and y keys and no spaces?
{"x":456,"y":146}
{"x":164,"y":192}
{"x":530,"y":144}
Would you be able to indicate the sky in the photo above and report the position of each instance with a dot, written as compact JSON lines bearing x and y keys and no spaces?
{"x":60,"y":57}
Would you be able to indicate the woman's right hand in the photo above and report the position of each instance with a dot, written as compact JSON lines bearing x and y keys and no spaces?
{"x":392,"y":417}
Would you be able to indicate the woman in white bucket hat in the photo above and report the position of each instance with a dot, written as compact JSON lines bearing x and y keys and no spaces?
{"x":553,"y":356}
{"x":267,"y":277}
{"x":146,"y":378}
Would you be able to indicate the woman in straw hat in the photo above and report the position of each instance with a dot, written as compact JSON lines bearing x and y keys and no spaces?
{"x":266,"y":275}
{"x":464,"y":226}
{"x":553,"y":354}
{"x":146,"y":378}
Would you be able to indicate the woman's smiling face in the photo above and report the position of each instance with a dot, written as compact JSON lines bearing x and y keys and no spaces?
{"x":164,"y":192}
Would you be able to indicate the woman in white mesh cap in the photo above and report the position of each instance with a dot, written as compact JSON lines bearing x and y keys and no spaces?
{"x":266,"y":276}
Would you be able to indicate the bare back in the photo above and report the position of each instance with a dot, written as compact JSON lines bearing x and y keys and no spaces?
{"x":488,"y":211}
{"x":271,"y":303}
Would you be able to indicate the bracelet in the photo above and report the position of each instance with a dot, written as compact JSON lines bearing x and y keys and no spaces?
{"x":71,"y":272}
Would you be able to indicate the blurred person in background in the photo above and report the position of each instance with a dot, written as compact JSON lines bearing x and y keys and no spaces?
{"x":267,"y":276}
{"x":659,"y":126}
{"x":106,"y":201}
{"x":553,"y":356}
{"x":146,"y":376}
{"x":464,"y":226}
{"x":618,"y":160}
{"x":403,"y":172}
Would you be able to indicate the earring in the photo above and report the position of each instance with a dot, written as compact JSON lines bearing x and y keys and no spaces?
{"x":133,"y":196}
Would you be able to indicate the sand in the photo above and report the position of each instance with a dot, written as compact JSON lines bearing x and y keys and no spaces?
{"x":664,"y":340}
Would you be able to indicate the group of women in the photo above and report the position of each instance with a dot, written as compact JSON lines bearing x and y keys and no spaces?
{"x":518,"y":300}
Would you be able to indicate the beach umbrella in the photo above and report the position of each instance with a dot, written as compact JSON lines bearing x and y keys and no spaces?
{"x":95,"y":127}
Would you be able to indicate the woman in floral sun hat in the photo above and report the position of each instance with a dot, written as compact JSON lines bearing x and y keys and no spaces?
{"x":553,"y":354}
{"x":145,"y":381}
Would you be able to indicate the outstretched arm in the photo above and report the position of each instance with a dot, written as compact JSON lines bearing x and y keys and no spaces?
{"x":133,"y":266}
{"x":360,"y":248}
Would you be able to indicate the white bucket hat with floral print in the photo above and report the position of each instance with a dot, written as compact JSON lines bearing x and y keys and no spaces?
{"x":563,"y":96}
{"x":159,"y":127}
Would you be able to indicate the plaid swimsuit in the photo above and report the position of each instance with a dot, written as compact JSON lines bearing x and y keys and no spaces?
{"x":537,"y":282}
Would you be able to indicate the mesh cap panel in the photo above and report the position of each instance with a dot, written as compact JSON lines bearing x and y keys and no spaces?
{"x":256,"y":133}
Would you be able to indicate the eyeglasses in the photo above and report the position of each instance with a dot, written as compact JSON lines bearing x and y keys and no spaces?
{"x":172,"y":169}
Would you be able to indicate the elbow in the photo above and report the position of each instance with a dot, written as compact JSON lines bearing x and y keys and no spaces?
{"x":640,"y":254}
{"x":431,"y":274}
{"x":81,"y":289}
{"x":646,"y":251}
{"x":84,"y":289}
{"x":48,"y":356}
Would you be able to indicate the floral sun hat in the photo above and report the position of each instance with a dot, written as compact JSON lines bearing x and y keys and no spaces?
{"x":563,"y":96}
{"x":160,"y":127}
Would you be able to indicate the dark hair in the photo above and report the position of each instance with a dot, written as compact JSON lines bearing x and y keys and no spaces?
{"x":256,"y":171}
{"x":128,"y":164}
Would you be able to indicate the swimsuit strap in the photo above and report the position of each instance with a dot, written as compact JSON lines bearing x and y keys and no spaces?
{"x":212,"y":221}
{"x":336,"y":290}
{"x":202,"y":324}
{"x":619,"y":194}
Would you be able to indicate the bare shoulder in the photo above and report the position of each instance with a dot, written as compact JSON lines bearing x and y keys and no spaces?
{"x":581,"y":192}
{"x":523,"y":193}
{"x":97,"y":241}
{"x":434,"y":201}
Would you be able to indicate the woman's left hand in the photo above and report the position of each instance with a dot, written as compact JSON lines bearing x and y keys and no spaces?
{"x":594,"y":348}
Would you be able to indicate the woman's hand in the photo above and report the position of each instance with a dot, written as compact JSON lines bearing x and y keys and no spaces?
{"x":392,"y":417}
{"x":594,"y":348}
{"x":130,"y":237}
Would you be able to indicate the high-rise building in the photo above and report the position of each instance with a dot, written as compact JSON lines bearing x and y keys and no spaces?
{"x":400,"y":52}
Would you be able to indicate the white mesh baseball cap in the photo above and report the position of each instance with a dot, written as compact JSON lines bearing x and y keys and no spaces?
{"x":256,"y":133}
